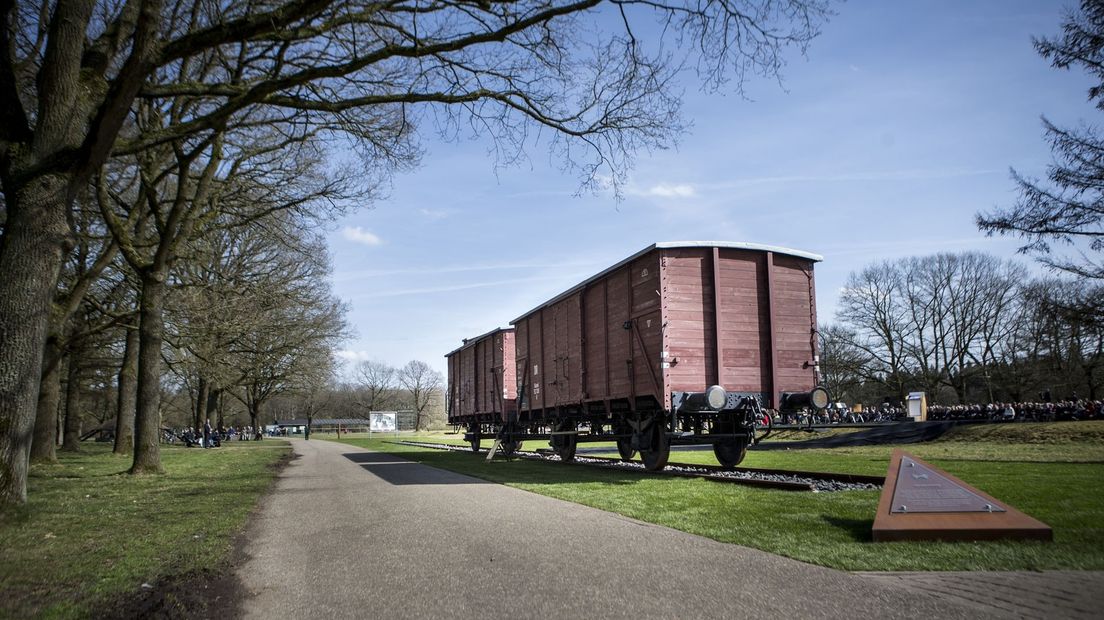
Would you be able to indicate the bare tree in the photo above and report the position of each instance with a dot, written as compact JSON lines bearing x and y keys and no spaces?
{"x":957,"y":303}
{"x":423,"y":384}
{"x":843,"y":365}
{"x":127,"y":386}
{"x":872,"y":304}
{"x":377,"y":381}
{"x":287,"y":343}
{"x":998,"y":303}
{"x":933,"y":322}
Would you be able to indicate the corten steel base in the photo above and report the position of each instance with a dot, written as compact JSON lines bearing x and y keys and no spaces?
{"x":921,"y":502}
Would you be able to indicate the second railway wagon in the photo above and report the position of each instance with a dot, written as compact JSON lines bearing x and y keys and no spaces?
{"x":481,"y":384}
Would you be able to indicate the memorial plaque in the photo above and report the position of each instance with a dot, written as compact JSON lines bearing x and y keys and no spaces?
{"x":922,"y":502}
{"x":923,"y":489}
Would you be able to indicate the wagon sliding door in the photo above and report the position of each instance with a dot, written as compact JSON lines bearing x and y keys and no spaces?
{"x":744,"y":322}
{"x":529,"y":363}
{"x":646,"y":328}
{"x":563,"y":352}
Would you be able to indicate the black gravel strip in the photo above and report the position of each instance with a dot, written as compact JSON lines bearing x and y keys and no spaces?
{"x":875,"y":481}
{"x":792,"y":481}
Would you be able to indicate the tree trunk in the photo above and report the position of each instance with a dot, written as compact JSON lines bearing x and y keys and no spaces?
{"x":128,"y":395}
{"x":960,"y":388}
{"x":44,"y":446}
{"x":201,"y":403}
{"x":147,"y":419}
{"x":254,"y":417}
{"x":35,"y":239}
{"x":71,"y":439}
{"x":213,"y":395}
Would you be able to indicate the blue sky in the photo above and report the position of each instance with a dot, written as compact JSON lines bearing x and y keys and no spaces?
{"x":884,"y":142}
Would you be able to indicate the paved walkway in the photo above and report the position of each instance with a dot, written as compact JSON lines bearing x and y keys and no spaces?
{"x":349,"y":533}
{"x":1018,"y":594}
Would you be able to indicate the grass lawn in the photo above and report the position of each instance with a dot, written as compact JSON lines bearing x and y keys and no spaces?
{"x":1053,"y":472}
{"x":90,"y":535}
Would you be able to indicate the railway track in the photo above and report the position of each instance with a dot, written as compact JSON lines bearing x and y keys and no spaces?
{"x":779,"y":479}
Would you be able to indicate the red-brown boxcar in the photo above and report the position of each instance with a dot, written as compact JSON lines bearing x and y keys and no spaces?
{"x":681,"y":341}
{"x":481,"y":382}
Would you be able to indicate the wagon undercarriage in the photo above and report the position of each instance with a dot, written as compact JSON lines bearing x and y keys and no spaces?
{"x":649,"y":433}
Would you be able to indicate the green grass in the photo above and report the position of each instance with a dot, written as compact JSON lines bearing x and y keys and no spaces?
{"x":1059,"y":483}
{"x":91,"y":534}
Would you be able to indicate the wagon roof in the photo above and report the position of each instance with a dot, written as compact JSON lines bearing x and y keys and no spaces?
{"x":666,"y":245}
{"x":470,"y":342}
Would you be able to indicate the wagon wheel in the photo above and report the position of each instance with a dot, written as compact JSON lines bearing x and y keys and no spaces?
{"x":624,"y":444}
{"x":564,"y":445}
{"x":728,"y":450}
{"x":659,"y":448}
{"x":475,"y":439}
{"x":625,"y":449}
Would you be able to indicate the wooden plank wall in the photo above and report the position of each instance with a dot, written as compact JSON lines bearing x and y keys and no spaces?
{"x":795,"y":323}
{"x":453,"y":362}
{"x":688,"y":310}
{"x":577,"y":350}
{"x":476,"y":379}
{"x":739,"y":286}
{"x":745,"y":321}
{"x":505,"y":361}
{"x":680,"y":300}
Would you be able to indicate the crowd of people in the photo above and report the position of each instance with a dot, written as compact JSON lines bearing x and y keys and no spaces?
{"x":208,"y":436}
{"x":1071,"y":409}
{"x":1063,"y":410}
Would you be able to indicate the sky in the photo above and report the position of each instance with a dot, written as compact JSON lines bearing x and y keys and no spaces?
{"x":900,"y":124}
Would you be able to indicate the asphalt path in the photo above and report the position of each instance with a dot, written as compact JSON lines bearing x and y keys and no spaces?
{"x":350,"y":533}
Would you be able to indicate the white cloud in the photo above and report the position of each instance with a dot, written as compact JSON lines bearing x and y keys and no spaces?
{"x":353,"y":356}
{"x":668,"y":190}
{"x":434,"y":214}
{"x":357,"y":234}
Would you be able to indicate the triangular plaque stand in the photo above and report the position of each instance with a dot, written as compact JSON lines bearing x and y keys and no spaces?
{"x":921,"y":502}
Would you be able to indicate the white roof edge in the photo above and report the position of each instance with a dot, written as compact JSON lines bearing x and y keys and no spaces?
{"x":468,"y":342}
{"x":664,"y":245}
{"x":739,"y":245}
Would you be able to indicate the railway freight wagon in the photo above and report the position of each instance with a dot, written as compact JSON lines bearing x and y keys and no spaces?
{"x":481,"y":384}
{"x":683,"y":342}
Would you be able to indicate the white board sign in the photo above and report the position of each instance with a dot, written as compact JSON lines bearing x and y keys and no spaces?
{"x":384,"y":422}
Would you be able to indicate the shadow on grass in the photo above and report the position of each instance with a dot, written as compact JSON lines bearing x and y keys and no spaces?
{"x":405,"y":469}
{"x":857,"y":529}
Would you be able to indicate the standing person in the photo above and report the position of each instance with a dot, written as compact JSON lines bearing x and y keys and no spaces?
{"x":207,"y":433}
